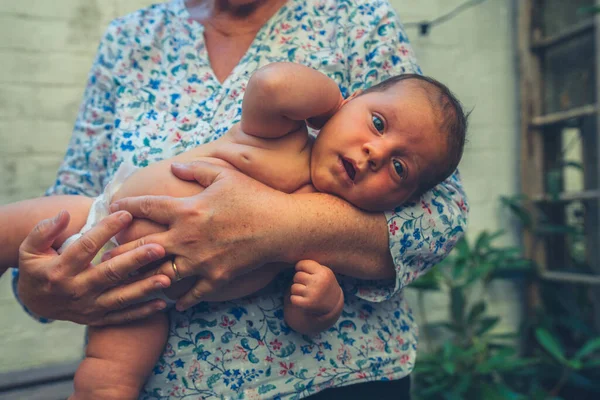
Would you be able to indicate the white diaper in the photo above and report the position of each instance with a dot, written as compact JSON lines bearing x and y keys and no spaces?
{"x":100,"y":209}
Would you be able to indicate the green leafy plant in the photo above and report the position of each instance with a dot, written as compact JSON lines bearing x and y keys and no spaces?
{"x":475,"y":362}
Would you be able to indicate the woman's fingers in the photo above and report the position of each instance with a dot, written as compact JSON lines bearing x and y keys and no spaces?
{"x":161,"y":239}
{"x":136,"y":292}
{"x":118,"y":269}
{"x":78,"y":256}
{"x":159,"y":209}
{"x":45,"y":233}
{"x":195,"y":295}
{"x":202,"y":172}
{"x":130,"y":314}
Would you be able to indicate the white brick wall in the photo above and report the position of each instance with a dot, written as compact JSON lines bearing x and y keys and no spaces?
{"x":46,"y":49}
{"x":474,"y":55}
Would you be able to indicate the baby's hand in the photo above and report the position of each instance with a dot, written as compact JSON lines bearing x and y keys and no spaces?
{"x":315,"y":288}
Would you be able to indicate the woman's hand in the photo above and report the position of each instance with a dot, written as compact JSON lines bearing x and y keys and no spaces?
{"x":234,"y":226}
{"x":65,"y":287}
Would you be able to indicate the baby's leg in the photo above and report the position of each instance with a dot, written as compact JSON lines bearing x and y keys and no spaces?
{"x":24,"y":215}
{"x":119,"y":359}
{"x":315,"y":301}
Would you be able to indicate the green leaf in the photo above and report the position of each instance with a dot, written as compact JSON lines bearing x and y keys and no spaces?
{"x":457,"y":305}
{"x":287,"y":350}
{"x":485,"y":239}
{"x":575,"y":364}
{"x":273,"y":327}
{"x":204,"y":323}
{"x":434,"y":389}
{"x":347,"y":324}
{"x":515,"y":205}
{"x":252,"y":358}
{"x":262,"y":389}
{"x":588,"y":10}
{"x":245,"y":344}
{"x":504,"y":364}
{"x":203,"y":335}
{"x":449,"y":367}
{"x":593,"y":363}
{"x":427,"y":282}
{"x":477,"y":310}
{"x":588,"y":348}
{"x":554,"y":182}
{"x":212,"y":380}
{"x":552,"y":346}
{"x":184,"y":343}
{"x":464,"y":384}
{"x":486,"y":325}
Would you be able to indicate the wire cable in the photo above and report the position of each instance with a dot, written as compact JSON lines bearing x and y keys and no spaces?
{"x":425,"y":26}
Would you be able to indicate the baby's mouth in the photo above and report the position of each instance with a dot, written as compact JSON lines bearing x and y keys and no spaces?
{"x":350,"y":170}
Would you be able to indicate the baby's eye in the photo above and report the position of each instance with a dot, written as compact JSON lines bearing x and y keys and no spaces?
{"x":378,"y":123}
{"x":399,"y":168}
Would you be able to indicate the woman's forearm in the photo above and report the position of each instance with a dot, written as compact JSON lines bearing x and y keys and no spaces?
{"x":18,"y":219}
{"x":329,"y":230}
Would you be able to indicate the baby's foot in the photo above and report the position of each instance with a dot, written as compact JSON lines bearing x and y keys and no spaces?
{"x":316,"y":289}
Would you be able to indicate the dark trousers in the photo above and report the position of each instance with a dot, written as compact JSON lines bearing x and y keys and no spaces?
{"x":378,"y":390}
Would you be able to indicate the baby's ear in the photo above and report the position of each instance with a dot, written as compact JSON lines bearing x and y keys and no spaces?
{"x":352,"y":96}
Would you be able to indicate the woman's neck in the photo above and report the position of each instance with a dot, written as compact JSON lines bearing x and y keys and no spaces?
{"x":233,"y":17}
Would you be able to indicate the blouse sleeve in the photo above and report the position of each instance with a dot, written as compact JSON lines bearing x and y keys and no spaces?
{"x":420,"y":234}
{"x":83,"y":170}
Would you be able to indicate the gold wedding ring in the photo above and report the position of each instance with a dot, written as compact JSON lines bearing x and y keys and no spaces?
{"x":177,"y":276}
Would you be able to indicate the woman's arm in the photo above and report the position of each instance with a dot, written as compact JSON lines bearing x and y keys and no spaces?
{"x":61,"y":286}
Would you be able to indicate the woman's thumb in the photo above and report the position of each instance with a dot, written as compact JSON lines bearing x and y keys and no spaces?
{"x":45,"y":233}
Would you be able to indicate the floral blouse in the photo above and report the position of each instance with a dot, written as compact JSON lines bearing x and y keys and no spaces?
{"x":152,"y":94}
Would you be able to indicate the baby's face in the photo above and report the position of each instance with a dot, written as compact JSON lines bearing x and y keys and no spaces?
{"x":375,"y":150}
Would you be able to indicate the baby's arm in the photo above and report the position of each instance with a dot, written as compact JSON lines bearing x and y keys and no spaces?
{"x":18,"y":219}
{"x":315,"y":301}
{"x":281,"y":96}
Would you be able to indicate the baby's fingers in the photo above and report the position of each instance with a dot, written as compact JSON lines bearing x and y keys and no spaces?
{"x":308,"y":266}
{"x":298,"y":289}
{"x":300,"y":301}
{"x":302,"y":278}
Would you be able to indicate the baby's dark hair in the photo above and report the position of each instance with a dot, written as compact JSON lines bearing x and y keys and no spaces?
{"x":452,"y":119}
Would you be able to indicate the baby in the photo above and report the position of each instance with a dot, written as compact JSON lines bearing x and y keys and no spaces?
{"x":377,"y":149}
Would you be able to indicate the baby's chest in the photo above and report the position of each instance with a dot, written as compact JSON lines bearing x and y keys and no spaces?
{"x":283,"y":164}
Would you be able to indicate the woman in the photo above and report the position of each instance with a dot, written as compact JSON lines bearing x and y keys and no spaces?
{"x":172,"y":76}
